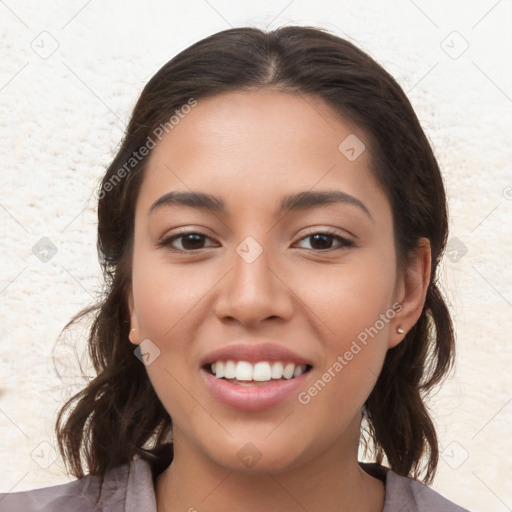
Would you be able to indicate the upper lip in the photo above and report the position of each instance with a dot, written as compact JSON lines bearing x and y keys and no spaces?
{"x":253,"y":353}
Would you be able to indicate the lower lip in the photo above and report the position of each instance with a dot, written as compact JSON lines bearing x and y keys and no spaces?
{"x":253,"y":397}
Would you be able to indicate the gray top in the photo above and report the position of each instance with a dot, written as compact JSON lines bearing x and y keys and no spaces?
{"x":130,"y":488}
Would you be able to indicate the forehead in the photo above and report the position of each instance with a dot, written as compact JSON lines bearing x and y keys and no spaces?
{"x":260,"y":119}
{"x":259,"y":142}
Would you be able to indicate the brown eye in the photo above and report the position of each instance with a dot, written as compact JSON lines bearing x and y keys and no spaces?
{"x":321,"y":241}
{"x":189,"y":241}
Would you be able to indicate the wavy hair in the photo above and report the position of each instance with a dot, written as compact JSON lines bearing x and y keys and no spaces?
{"x":118,"y":416}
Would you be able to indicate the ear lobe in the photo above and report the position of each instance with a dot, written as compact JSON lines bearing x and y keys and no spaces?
{"x":134,"y":323}
{"x":412,"y":291}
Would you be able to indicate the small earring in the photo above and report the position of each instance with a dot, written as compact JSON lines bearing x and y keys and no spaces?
{"x":399,"y":330}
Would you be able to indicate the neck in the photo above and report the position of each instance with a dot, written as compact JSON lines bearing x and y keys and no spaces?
{"x":332,"y":481}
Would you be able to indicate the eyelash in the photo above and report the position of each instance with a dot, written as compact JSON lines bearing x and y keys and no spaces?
{"x":345,"y":243}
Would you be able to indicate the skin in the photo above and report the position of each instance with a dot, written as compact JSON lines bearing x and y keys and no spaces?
{"x":251,"y":149}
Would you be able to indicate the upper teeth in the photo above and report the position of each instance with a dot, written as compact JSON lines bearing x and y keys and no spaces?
{"x":261,"y":371}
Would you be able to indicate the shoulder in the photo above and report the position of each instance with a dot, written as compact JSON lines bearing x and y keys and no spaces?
{"x":125,"y":488}
{"x":409,"y":495}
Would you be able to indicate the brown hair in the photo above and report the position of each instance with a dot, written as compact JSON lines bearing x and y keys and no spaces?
{"x":118,"y":415}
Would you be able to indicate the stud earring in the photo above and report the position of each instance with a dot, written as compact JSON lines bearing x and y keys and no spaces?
{"x":399,"y":330}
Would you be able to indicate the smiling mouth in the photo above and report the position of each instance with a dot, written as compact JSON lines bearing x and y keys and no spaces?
{"x":245,"y":373}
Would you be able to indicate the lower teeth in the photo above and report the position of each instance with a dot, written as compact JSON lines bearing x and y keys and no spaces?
{"x":252,"y":382}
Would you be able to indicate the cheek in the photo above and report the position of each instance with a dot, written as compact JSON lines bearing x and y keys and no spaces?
{"x":348,"y":298}
{"x":167,"y":301}
{"x":355,"y":312}
{"x":165,"y":294}
{"x":352,"y":306}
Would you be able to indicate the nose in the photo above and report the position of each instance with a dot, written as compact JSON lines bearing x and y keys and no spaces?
{"x":253,"y":292}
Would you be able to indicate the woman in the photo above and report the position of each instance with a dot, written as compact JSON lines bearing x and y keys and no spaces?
{"x":270,"y":232}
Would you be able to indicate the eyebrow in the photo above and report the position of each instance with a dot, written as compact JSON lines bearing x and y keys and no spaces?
{"x":293,"y":202}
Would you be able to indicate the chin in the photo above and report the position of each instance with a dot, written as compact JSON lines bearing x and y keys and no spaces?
{"x":259,"y":455}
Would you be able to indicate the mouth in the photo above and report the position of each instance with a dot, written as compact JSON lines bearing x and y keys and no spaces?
{"x":245,"y":373}
{"x":255,"y":376}
{"x":255,"y":387}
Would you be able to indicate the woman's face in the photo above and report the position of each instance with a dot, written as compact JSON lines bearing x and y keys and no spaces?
{"x":253,"y":284}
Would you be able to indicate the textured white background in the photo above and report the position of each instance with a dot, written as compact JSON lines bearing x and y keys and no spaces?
{"x":62,"y":116}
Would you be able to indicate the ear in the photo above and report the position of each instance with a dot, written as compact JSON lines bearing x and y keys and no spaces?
{"x":134,"y":323}
{"x":411,"y":291}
